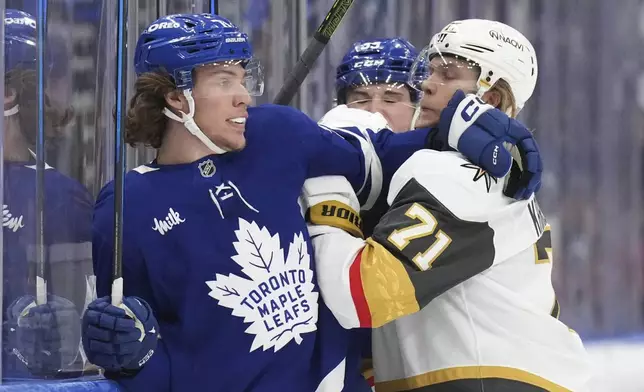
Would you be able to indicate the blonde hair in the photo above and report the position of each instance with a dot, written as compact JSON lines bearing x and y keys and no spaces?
{"x":508,"y":103}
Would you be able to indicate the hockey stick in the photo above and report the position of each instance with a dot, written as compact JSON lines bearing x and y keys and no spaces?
{"x":313,"y":51}
{"x":41,"y":283}
{"x":119,"y":152}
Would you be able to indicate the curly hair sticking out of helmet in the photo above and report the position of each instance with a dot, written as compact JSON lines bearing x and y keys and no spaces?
{"x":196,"y":76}
{"x":483,"y":57}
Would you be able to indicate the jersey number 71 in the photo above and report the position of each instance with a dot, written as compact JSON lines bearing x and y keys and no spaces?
{"x":402,"y":237}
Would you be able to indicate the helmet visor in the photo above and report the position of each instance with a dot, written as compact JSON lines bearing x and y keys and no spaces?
{"x":229,"y":78}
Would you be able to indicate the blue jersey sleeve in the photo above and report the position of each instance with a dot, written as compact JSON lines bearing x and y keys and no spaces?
{"x":350,"y":151}
{"x":394,"y":149}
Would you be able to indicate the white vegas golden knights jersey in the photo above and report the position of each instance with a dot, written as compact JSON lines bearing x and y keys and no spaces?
{"x":498,"y":324}
{"x":456,"y":281}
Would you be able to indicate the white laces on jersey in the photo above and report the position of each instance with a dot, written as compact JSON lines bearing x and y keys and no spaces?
{"x":190,"y":124}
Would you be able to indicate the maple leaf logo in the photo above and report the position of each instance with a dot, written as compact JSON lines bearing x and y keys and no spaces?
{"x":279,"y":299}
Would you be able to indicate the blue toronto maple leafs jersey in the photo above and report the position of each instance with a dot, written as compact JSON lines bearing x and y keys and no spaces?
{"x":67,"y":222}
{"x":220,"y":250}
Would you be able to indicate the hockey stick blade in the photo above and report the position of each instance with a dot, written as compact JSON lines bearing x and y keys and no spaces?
{"x":315,"y":47}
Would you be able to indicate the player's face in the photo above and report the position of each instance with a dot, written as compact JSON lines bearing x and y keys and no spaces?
{"x":393,"y":101}
{"x":221,"y":104}
{"x":446,"y":75}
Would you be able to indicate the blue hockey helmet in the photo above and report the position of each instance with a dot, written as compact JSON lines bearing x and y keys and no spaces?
{"x":20,"y":40}
{"x":179,"y":43}
{"x":20,"y":48}
{"x":21,"y":53}
{"x":379,"y":61}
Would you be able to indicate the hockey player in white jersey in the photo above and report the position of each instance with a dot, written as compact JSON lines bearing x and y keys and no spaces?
{"x":456,"y":277}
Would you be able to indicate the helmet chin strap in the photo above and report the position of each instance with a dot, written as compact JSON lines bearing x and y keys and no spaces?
{"x":12,"y":111}
{"x":190,"y":124}
{"x":414,"y":119}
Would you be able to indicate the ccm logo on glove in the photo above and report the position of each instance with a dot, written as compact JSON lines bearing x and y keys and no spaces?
{"x":146,"y":358}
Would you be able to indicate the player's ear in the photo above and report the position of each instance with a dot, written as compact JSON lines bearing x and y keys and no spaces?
{"x":493,"y":97}
{"x":10,"y":98}
{"x":177,"y":101}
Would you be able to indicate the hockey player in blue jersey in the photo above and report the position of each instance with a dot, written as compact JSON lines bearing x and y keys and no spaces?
{"x":373,"y":75}
{"x":39,"y":339}
{"x":219,"y":283}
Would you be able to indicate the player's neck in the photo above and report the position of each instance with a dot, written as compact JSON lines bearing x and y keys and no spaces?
{"x":179,"y":146}
{"x":16,"y":146}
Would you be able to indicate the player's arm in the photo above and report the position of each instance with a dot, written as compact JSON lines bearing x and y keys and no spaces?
{"x":358,"y":145}
{"x":128,"y":359}
{"x":467,"y":124}
{"x":438,"y":232}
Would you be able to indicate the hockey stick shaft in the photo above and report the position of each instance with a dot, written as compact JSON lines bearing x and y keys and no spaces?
{"x":119,"y":152}
{"x":315,"y":47}
{"x":41,"y":283}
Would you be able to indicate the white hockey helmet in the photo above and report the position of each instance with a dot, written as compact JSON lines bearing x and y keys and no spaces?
{"x":499,"y":50}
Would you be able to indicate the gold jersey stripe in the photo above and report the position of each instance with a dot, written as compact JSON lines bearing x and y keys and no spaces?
{"x":468,"y":372}
{"x":388,"y":290}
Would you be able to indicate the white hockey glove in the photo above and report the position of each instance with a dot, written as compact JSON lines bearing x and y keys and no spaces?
{"x":343,"y":116}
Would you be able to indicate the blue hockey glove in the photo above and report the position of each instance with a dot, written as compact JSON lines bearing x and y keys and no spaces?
{"x":44,"y":337}
{"x":119,"y":339}
{"x":478,"y":131}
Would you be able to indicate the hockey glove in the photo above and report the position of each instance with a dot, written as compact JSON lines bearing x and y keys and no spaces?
{"x":119,"y":339}
{"x":331,"y":201}
{"x":479,"y":132}
{"x":44,"y":337}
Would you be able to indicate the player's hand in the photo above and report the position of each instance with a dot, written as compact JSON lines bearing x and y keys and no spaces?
{"x":43,"y":337}
{"x":119,"y":339}
{"x":479,"y":132}
{"x":331,"y":201}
